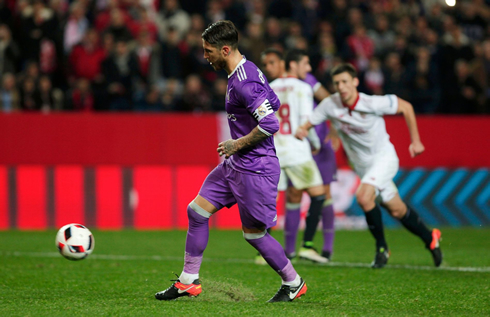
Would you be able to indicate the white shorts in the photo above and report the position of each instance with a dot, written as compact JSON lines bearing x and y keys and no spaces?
{"x":380,"y":174}
{"x":302,"y":176}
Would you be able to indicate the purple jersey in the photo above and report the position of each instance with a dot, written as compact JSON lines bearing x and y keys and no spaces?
{"x":321,"y":129}
{"x":249,"y":100}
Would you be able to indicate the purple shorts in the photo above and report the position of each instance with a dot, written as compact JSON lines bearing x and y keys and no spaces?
{"x":326,"y":164}
{"x":254,"y":194}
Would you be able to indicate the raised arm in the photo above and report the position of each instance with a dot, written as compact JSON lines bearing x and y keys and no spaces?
{"x":416,"y":147}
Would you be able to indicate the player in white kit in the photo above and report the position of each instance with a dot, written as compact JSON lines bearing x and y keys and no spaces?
{"x":298,"y":169}
{"x":358,"y":118}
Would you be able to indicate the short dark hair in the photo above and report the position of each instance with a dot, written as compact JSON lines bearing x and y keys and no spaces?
{"x":294,"y":55}
{"x":272,"y":50}
{"x":221,"y":33}
{"x":344,"y":68}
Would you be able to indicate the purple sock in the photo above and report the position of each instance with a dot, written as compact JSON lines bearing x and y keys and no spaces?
{"x":197,"y":238}
{"x":328,"y":217}
{"x":291,"y":225}
{"x":274,"y":255}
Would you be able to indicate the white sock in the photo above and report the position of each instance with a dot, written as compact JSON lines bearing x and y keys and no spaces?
{"x":293,"y":283}
{"x":187,"y":278}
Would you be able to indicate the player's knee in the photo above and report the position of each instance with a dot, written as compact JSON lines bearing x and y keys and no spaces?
{"x":398,"y":211}
{"x":294,"y":195}
{"x":365,"y":201}
{"x":254,"y":235}
{"x":196,"y":212}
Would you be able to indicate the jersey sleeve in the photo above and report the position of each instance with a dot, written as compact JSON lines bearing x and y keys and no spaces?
{"x":255,"y":97}
{"x":381,"y":105}
{"x":313,"y":82}
{"x":320,"y":113}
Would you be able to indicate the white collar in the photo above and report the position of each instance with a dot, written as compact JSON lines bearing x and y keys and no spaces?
{"x":244,"y":59}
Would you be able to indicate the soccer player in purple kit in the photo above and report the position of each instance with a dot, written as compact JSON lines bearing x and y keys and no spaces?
{"x":248,"y":176}
{"x":274,"y":65}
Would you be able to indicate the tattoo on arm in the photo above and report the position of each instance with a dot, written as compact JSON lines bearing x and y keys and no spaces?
{"x":251,"y":139}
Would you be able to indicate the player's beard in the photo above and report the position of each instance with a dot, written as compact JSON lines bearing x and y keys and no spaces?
{"x":219,"y":64}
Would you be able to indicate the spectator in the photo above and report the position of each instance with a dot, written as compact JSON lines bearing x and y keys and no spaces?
{"x":9,"y":51}
{"x":479,"y":72}
{"x":172,"y":94}
{"x":120,"y":71}
{"x":456,"y":46}
{"x":117,"y":26}
{"x":76,"y":26}
{"x":50,"y":98}
{"x":148,"y":56}
{"x":144,"y":23}
{"x":173,"y":17}
{"x":9,"y":95}
{"x":274,"y":32}
{"x":361,"y":48}
{"x":86,"y":58}
{"x":103,"y":17}
{"x":373,"y":78}
{"x":195,"y":98}
{"x":171,"y":55}
{"x":464,"y":99}
{"x":383,"y":37}
{"x":150,"y":100}
{"x":420,"y":31}
{"x":305,"y":12}
{"x":486,"y":70}
{"x":219,"y":94}
{"x":326,"y":52}
{"x":215,"y":12}
{"x":257,"y":12}
{"x":253,"y":44}
{"x":394,"y":82}
{"x":81,"y":98}
{"x":29,"y":98}
{"x":471,"y":22}
{"x":36,"y":26}
{"x":423,"y":82}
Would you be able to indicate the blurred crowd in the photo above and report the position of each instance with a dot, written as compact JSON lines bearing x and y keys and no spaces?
{"x":146,"y":55}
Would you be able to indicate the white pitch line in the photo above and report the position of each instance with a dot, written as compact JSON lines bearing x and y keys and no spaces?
{"x":484,"y":269}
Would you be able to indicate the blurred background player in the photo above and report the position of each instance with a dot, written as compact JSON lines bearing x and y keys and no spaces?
{"x":274,"y":66}
{"x":358,"y":118}
{"x":298,"y":169}
{"x":247,"y":177}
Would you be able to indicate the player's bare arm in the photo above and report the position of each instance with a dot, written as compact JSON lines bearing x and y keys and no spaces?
{"x":230,"y":147}
{"x":405,"y":108}
{"x":321,"y":93}
{"x":302,"y":131}
{"x":333,"y":137}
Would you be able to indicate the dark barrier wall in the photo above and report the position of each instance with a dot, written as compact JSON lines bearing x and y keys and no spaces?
{"x":131,"y":139}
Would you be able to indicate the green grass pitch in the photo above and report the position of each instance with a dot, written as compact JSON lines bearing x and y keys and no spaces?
{"x":128,"y":267}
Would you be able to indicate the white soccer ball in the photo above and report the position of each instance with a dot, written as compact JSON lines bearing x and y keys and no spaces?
{"x":75,"y":241}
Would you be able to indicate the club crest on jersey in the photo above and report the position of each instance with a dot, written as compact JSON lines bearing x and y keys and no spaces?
{"x":262,"y":110}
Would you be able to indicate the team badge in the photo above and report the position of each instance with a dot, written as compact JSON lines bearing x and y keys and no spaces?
{"x":262,"y":110}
